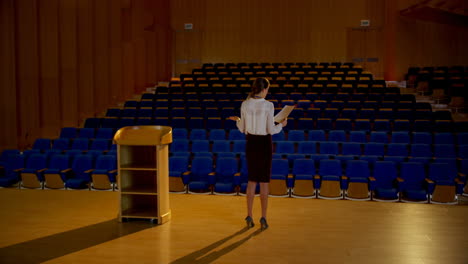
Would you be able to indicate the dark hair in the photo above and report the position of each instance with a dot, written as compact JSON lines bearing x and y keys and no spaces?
{"x":258,"y":86}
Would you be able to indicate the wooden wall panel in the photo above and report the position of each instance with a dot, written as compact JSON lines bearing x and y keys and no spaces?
{"x":68,"y":15}
{"x":139,"y":45}
{"x":101,"y":55}
{"x":8,"y":99}
{"x":115,"y":53}
{"x":49,"y":95}
{"x":128,"y":74}
{"x":86,"y":67}
{"x":27,"y":72}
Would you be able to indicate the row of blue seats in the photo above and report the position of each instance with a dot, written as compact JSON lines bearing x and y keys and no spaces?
{"x":384,"y":181}
{"x":323,"y":64}
{"x":75,"y":172}
{"x":65,"y":143}
{"x":327,"y":148}
{"x":332,"y":135}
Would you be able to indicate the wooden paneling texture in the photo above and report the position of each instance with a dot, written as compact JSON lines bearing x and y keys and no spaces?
{"x":66,"y":60}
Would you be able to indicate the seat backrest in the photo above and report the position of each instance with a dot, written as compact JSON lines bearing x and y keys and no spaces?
{"x":201,"y":167}
{"x":61,"y":143}
{"x":296,"y":135}
{"x":42,"y":144}
{"x":422,"y":138}
{"x":235,"y":134}
{"x":225,"y":169}
{"x":378,"y":137}
{"x":36,"y":161}
{"x":413,"y":174}
{"x":178,"y":163}
{"x":198,"y":134}
{"x":317,"y":135}
{"x":351,"y":148}
{"x":304,"y":166}
{"x":221,"y":146}
{"x":217,"y":134}
{"x":330,"y":167}
{"x":307,"y":147}
{"x":81,"y":163}
{"x":400,"y":137}
{"x":337,"y":135}
{"x":280,"y":167}
{"x":421,"y":150}
{"x":180,"y":145}
{"x":179,"y":133}
{"x":329,"y":148}
{"x":100,"y":144}
{"x":444,"y":138}
{"x":444,"y":151}
{"x":284,"y":147}
{"x":385,"y":173}
{"x":68,"y":132}
{"x":106,"y":162}
{"x":80,"y":143}
{"x":60,"y":162}
{"x":357,"y":169}
{"x":86,"y":133}
{"x":105,"y":133}
{"x":200,"y":146}
{"x":377,"y":149}
{"x":357,"y":136}
{"x":15,"y":161}
{"x":442,"y":172}
{"x":397,"y":149}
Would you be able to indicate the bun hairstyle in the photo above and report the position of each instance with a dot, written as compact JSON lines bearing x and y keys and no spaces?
{"x":259,"y":85}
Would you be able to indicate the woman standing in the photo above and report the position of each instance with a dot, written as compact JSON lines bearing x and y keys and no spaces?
{"x":257,"y":122}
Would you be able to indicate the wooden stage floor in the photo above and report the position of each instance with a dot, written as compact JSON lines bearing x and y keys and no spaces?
{"x":50,"y":226}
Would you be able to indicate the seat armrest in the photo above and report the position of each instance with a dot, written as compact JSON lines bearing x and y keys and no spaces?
{"x":89,"y":171}
{"x":42,"y":170}
{"x":18,"y":170}
{"x":211,"y":178}
{"x":290,"y":181}
{"x":66,"y":170}
{"x":372,"y":183}
{"x":113,"y":171}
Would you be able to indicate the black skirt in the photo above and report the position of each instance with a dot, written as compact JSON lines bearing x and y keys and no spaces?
{"x":259,"y":153}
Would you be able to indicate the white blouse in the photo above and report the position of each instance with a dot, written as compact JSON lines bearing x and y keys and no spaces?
{"x":257,"y":118}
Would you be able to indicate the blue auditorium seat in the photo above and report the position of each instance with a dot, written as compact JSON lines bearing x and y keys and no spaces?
{"x":329,"y":184}
{"x":53,"y":175}
{"x":177,"y":167}
{"x":198,"y":134}
{"x":279,"y":176}
{"x":235,"y":134}
{"x":69,"y":132}
{"x":80,"y":144}
{"x":296,"y":135}
{"x":351,"y":149}
{"x":384,"y":185}
{"x":223,"y":178}
{"x":179,"y":133}
{"x":444,"y":138}
{"x":343,"y":124}
{"x":217,"y":134}
{"x":374,"y":149}
{"x":106,"y":133}
{"x":42,"y":144}
{"x":401,"y":137}
{"x":221,"y":147}
{"x":412,"y":182}
{"x":317,"y":135}
{"x":284,"y":147}
{"x":281,"y":136}
{"x":32,"y":176}
{"x":328,"y":148}
{"x":358,"y":136}
{"x":87,"y":133}
{"x":238,"y":147}
{"x":79,"y":175}
{"x":304,"y":174}
{"x":104,"y":174}
{"x":197,"y":177}
{"x":93,"y":122}
{"x":378,"y":137}
{"x":13,"y":163}
{"x":397,"y":149}
{"x":307,"y":147}
{"x":356,"y":181}
{"x":444,"y":185}
{"x":421,"y":150}
{"x":444,"y":151}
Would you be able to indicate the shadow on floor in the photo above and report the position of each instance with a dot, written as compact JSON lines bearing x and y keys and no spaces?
{"x":199,"y":257}
{"x":54,"y":246}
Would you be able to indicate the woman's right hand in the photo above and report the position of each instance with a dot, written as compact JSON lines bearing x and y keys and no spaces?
{"x":284,"y":123}
{"x":234,"y":118}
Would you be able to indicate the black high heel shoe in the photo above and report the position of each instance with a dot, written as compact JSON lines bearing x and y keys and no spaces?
{"x":249,"y":222}
{"x":264,"y":223}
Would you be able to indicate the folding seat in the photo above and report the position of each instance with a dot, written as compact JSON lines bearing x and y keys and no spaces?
{"x":147,"y":104}
{"x":396,"y":159}
{"x":86,"y":133}
{"x":132,"y":103}
{"x":412,"y":182}
{"x":13,"y":165}
{"x":362,"y":125}
{"x":213,"y":123}
{"x":199,"y":146}
{"x":80,"y":144}
{"x":343,"y":124}
{"x":350,"y":113}
{"x":198,"y":134}
{"x":462,"y":138}
{"x":422,"y":138}
{"x":281,"y":136}
{"x":296,"y":135}
{"x":221,"y":146}
{"x":6,"y":154}
{"x":54,"y":172}
{"x":382,"y":125}
{"x":378,"y":137}
{"x":397,"y":149}
{"x":443,"y":183}
{"x":444,"y":138}
{"x":366,"y":104}
{"x":351,"y":149}
{"x":444,"y":151}
{"x":177,"y":122}
{"x":304,"y":174}
{"x":357,"y":136}
{"x":177,"y":167}
{"x":400,"y":137}
{"x":355,"y":182}
{"x":235,"y":134}
{"x":197,"y":178}
{"x":312,"y":96}
{"x":217,"y":134}
{"x":227,"y":112}
{"x":330,"y":176}
{"x":41,"y":144}
{"x":279,"y":176}
{"x":328,"y":148}
{"x":143,"y":113}
{"x":180,"y":147}
{"x":162,"y":121}
{"x":401,"y":125}
{"x":374,"y":149}
{"x":326,"y":97}
{"x":61,"y":144}
{"x":238,"y":147}
{"x":223,"y":179}
{"x":79,"y":175}
{"x":284,"y":147}
{"x":305,"y":124}
{"x":304,"y":104}
{"x":421,"y":150}
{"x":443,"y":126}
{"x":68,"y":132}
{"x":332,"y":113}
{"x":314,"y":112}
{"x":128,"y":112}
{"x":162,"y":112}
{"x":104,"y":173}
{"x":100,"y":144}
{"x":196,"y":123}
{"x":422,"y":125}
{"x":317,"y":135}
{"x":92,"y":122}
{"x":307,"y":147}
{"x":386,"y":110}
{"x":462,"y":152}
{"x":179,"y":133}
{"x":322,"y":104}
{"x":105,"y":133}
{"x":324,"y":124}
{"x":287,"y":102}
{"x":337,"y":136}
{"x":124,"y":122}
